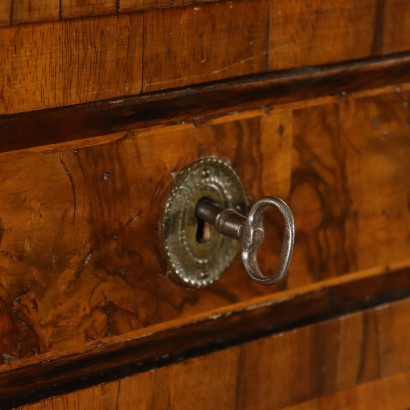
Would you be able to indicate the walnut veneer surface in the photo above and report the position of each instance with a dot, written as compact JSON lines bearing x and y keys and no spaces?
{"x":86,"y":59}
{"x":92,"y":135}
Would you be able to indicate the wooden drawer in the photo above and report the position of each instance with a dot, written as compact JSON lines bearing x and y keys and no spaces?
{"x":83,"y":229}
{"x":81,"y":250}
{"x":81,"y":253}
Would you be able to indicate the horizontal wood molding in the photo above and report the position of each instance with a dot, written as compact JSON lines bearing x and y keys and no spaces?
{"x":199,"y":104}
{"x":31,"y":379}
{"x":74,"y":61}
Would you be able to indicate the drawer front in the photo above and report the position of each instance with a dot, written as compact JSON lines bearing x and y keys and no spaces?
{"x":82,"y":257}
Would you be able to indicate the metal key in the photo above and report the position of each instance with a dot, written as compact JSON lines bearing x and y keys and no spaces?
{"x":251,"y":232}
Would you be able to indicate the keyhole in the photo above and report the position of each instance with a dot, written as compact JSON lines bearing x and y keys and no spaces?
{"x":203,"y":231}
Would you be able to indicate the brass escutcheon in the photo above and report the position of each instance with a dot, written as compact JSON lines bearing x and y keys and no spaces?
{"x":196,"y":253}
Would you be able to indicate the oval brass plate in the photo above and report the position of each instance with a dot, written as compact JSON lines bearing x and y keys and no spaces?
{"x":196,"y":253}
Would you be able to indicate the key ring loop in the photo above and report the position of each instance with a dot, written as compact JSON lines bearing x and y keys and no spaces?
{"x":253,"y":235}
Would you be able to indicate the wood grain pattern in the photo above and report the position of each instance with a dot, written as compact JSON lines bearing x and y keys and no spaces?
{"x":5,"y":12}
{"x":78,"y":61}
{"x":133,"y":5}
{"x":204,"y":103}
{"x":31,"y":11}
{"x":350,"y":185}
{"x":317,"y":32}
{"x":65,"y":237}
{"x":205,"y":43}
{"x":395,"y":24}
{"x":110,"y":358}
{"x":84,"y":8}
{"x":55,"y":239}
{"x":329,"y":358}
{"x":71,"y":62}
{"x":390,"y":393}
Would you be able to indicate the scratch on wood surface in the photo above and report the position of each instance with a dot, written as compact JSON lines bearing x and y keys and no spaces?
{"x":84,"y":263}
{"x":70,"y":177}
{"x":218,"y":71}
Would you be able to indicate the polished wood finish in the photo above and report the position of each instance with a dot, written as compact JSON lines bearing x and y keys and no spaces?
{"x":64,"y":237}
{"x":225,"y":53}
{"x":201,"y":105}
{"x":390,"y":393}
{"x":5,"y":12}
{"x":302,"y":31}
{"x":85,"y":8}
{"x":80,"y":365}
{"x":305,"y":33}
{"x":395,"y":22}
{"x":326,"y":359}
{"x":350,"y":185}
{"x":126,"y":6}
{"x":102,"y":259}
{"x":32,"y":11}
{"x":71,"y":62}
{"x":103,"y":102}
{"x":78,"y":61}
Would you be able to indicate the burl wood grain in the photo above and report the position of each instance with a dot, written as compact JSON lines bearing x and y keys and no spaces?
{"x":350,"y":186}
{"x":88,"y":364}
{"x":85,"y":237}
{"x":81,"y":256}
{"x":354,"y":361}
